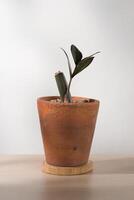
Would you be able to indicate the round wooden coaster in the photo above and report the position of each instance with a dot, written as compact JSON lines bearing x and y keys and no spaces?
{"x":66,"y":171}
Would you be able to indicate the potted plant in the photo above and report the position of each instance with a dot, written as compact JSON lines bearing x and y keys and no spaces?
{"x":68,"y":123}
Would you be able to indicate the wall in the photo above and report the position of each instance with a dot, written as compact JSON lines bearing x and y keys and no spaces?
{"x":31,"y":34}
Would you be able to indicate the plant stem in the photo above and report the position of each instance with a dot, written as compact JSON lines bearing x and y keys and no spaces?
{"x":68,"y":91}
{"x":61,"y":84}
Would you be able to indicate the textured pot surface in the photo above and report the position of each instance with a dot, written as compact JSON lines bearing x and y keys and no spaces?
{"x":67,"y":130}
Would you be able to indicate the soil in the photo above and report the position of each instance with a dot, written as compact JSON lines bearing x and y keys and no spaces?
{"x":73,"y":101}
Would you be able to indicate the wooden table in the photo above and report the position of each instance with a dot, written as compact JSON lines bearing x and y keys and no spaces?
{"x":21,"y":179}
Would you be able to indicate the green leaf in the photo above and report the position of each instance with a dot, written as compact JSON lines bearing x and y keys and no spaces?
{"x":69,"y":65}
{"x":77,"y":55}
{"x":82,"y":65}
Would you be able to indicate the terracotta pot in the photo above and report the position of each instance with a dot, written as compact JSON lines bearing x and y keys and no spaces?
{"x":67,"y":130}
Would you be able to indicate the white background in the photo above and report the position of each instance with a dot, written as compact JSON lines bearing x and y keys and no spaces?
{"x":31,"y":34}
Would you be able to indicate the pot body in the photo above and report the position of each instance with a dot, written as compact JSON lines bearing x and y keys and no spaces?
{"x":67,"y":130}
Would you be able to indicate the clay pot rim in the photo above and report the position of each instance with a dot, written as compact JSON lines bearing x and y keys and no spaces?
{"x":47,"y":99}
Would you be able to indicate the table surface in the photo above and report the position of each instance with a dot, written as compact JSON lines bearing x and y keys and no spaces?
{"x":21,"y":179}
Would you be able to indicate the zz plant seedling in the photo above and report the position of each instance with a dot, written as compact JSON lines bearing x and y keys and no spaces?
{"x":80,"y":64}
